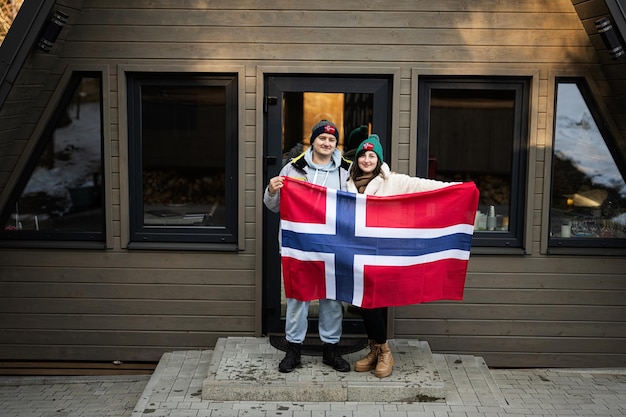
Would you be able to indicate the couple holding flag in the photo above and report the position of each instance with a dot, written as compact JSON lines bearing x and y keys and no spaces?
{"x":343,"y":238}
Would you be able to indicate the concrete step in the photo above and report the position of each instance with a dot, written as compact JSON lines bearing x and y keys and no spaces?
{"x":246,"y":369}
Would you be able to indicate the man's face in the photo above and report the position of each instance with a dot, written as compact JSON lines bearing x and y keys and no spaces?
{"x":324,"y":144}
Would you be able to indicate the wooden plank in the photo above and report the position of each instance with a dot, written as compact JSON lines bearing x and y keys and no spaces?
{"x":615,"y":71}
{"x":346,"y":53}
{"x":8,"y":141}
{"x":562,"y":265}
{"x":161,"y":322}
{"x":126,"y":291}
{"x":207,"y":276}
{"x":166,"y":260}
{"x":16,"y":108}
{"x":526,"y":328}
{"x":12,"y":122}
{"x":455,"y":20}
{"x":128,"y":307}
{"x":8,"y":161}
{"x":34,"y":77}
{"x":481,"y":345}
{"x":192,"y":276}
{"x":592,"y":9}
{"x":547,"y":296}
{"x":619,"y":86}
{"x":136,"y":353}
{"x":545,"y":281}
{"x":555,"y":312}
{"x":25,"y":92}
{"x":62,"y":338}
{"x":618,"y":110}
{"x":301,"y":35}
{"x":347,"y":5}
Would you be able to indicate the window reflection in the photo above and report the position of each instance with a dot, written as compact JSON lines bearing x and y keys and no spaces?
{"x":183,"y":155}
{"x":471,"y":139}
{"x":588,"y":190}
{"x":64,"y":191}
{"x":351,"y":112}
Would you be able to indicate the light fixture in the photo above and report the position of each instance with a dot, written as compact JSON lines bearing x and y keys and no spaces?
{"x":51,"y":30}
{"x":609,"y":37}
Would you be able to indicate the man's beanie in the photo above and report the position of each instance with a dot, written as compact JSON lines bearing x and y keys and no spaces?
{"x":372,"y":143}
{"x":324,"y":126}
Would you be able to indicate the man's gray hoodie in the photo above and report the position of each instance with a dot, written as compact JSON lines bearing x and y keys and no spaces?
{"x":334,"y":175}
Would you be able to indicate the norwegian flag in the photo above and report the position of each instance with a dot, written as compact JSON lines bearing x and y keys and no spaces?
{"x":376,"y":251}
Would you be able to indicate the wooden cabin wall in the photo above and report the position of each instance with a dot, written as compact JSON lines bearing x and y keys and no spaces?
{"x":120,"y":304}
{"x":529,"y":312}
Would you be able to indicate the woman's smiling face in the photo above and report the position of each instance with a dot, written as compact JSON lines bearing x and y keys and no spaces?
{"x":368,"y":161}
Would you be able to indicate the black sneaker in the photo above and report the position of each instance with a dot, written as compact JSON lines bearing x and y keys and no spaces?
{"x":292,"y":358}
{"x":331,"y":357}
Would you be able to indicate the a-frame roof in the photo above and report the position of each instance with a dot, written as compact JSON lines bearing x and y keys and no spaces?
{"x":20,"y":39}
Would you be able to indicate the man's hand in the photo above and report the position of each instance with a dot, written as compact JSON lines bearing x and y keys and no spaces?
{"x":275,"y":184}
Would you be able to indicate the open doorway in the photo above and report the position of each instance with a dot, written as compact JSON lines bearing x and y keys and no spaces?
{"x":293,"y":104}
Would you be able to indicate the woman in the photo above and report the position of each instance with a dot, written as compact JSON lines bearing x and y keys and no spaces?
{"x":371,"y":175}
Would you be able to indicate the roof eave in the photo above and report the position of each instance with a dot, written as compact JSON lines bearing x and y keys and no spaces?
{"x":21,"y":37}
{"x":618,"y":13}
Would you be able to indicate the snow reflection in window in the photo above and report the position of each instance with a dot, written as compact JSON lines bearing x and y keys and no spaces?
{"x":64,"y":191}
{"x":588,"y":190}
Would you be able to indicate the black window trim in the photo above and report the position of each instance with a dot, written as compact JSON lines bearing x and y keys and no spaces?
{"x":181,"y":238}
{"x":585,"y":246}
{"x":511,"y":242}
{"x":57,"y":239}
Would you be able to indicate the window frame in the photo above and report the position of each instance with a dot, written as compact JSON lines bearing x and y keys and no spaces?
{"x":58,"y":239}
{"x":512,"y":241}
{"x":572,"y":245}
{"x":171,"y":237}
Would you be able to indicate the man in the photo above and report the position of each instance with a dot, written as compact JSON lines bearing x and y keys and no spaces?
{"x":320,"y":164}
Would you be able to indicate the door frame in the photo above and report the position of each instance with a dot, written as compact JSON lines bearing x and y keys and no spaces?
{"x":381,"y":86}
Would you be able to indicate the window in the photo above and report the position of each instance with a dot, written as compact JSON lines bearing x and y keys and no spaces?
{"x":60,"y":194}
{"x":474,"y":129}
{"x":588,"y":205}
{"x":183,"y":158}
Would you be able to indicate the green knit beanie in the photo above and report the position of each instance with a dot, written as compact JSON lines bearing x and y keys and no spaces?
{"x":372,"y":143}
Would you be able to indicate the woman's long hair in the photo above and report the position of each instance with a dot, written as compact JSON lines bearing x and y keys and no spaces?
{"x":356,"y":171}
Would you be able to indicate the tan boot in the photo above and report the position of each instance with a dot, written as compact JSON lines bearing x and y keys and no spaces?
{"x":385,"y":361}
{"x":369,"y":361}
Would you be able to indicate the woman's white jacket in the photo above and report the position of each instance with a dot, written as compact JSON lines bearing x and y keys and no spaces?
{"x":392,"y":183}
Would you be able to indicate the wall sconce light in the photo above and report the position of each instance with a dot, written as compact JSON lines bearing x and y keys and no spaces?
{"x":51,"y":30}
{"x":609,"y":37}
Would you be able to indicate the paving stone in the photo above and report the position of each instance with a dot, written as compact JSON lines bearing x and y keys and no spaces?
{"x":177,"y":383}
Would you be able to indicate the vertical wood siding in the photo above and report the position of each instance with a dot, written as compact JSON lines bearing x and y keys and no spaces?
{"x":531,"y":310}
